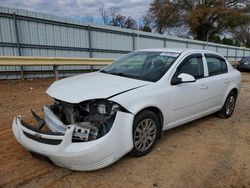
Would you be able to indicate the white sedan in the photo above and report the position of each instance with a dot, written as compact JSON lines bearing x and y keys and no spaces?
{"x":99,"y":117}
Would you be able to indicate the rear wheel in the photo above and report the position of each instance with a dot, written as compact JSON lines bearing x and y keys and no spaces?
{"x":229,"y":105}
{"x":146,"y":128}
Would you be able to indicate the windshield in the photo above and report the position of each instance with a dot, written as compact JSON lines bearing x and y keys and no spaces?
{"x":148,"y":66}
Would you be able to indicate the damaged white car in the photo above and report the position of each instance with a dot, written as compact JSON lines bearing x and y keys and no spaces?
{"x":99,"y":117}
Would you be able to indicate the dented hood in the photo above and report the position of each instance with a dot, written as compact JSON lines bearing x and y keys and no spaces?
{"x":92,"y":86}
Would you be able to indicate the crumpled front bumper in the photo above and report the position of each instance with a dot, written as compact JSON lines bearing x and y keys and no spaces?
{"x":82,"y":156}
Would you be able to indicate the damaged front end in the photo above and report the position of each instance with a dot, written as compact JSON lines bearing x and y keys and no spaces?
{"x":85,"y":136}
{"x":92,"y":119}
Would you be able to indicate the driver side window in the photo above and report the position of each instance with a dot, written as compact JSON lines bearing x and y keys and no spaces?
{"x":192,"y":66}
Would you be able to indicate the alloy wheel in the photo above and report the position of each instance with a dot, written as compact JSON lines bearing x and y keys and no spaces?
{"x":145,"y":134}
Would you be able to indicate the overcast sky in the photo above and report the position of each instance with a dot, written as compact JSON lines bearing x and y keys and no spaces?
{"x":79,"y":8}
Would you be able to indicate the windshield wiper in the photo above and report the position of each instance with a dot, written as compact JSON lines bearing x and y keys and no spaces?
{"x":103,"y":71}
{"x":123,"y":75}
{"x":115,"y":73}
{"x":119,"y":74}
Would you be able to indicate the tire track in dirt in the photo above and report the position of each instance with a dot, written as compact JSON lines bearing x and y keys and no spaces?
{"x":29,"y":177}
{"x":46,"y":179}
{"x":4,"y":131}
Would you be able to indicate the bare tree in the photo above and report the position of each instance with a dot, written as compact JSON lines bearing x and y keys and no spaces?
{"x":118,"y":21}
{"x":146,"y":23}
{"x":104,"y":14}
{"x":112,"y":16}
{"x":242,"y":34}
{"x":130,"y":23}
{"x":114,"y":11}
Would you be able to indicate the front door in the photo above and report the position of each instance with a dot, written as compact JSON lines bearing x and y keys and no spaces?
{"x":187,"y":99}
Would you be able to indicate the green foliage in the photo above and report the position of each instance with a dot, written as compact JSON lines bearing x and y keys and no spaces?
{"x":227,"y":41}
{"x":215,"y":38}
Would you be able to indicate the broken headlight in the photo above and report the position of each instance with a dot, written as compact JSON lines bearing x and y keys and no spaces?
{"x":92,"y":119}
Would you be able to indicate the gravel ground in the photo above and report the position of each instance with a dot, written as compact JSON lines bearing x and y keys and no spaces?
{"x":209,"y":152}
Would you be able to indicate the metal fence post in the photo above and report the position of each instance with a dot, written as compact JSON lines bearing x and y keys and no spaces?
{"x":227,"y":52}
{"x":187,"y":44}
{"x":235,"y":54}
{"x":216,"y":48}
{"x":133,"y":40}
{"x":56,"y":72}
{"x":165,"y":42}
{"x":243,"y":52}
{"x":18,"y":42}
{"x":90,"y":46}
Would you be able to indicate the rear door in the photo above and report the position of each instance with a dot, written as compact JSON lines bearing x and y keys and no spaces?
{"x":217,"y":80}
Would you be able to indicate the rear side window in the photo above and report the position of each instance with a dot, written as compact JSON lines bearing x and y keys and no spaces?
{"x":216,"y":65}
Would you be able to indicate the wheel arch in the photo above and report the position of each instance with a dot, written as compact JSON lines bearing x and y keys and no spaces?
{"x":234,"y":89}
{"x":158,"y":113}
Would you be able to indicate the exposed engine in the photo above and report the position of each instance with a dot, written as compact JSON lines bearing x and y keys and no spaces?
{"x":92,"y":119}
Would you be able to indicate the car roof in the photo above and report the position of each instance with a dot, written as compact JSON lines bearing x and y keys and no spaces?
{"x":177,"y":50}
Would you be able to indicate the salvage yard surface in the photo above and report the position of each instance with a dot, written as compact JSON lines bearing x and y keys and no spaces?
{"x":209,"y":152}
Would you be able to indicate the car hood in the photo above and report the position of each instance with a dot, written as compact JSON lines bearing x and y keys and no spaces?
{"x":92,"y":86}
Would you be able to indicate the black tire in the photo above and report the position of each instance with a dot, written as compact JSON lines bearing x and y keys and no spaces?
{"x":229,"y":105}
{"x":149,"y":125}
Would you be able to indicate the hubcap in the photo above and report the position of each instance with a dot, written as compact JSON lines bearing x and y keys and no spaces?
{"x":230,"y":105}
{"x":144,"y":135}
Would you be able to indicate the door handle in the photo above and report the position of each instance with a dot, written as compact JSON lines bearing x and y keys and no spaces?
{"x":204,"y":87}
{"x":226,"y":81}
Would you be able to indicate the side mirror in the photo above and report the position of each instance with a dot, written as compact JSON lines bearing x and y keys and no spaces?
{"x":183,"y":78}
{"x":186,"y":78}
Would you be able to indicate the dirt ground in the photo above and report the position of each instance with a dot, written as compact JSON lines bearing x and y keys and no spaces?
{"x":209,"y":152}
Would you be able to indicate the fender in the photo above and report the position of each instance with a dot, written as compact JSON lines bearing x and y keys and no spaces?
{"x":233,"y":85}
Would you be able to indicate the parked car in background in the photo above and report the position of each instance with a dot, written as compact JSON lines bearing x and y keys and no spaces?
{"x":99,"y":117}
{"x":244,"y":64}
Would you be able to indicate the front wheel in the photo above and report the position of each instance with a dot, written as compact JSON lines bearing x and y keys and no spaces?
{"x":146,"y":128}
{"x":229,"y":105}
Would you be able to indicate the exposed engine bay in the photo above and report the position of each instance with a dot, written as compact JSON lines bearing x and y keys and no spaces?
{"x":92,"y":119}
